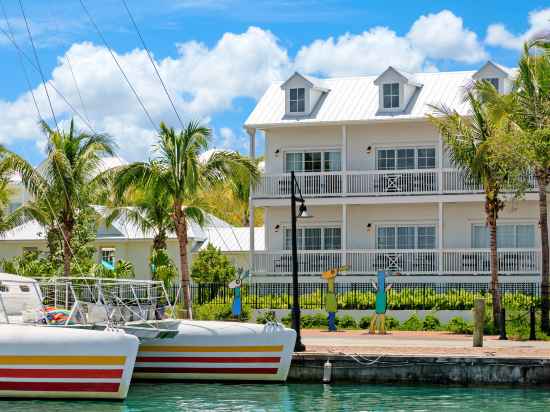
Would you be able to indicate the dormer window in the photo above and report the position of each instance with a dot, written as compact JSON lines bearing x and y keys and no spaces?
{"x":391,"y":95}
{"x":494,"y":81}
{"x":297,"y":100}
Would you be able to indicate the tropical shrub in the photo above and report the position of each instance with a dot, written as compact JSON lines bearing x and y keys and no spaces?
{"x":413,"y":323}
{"x":211,"y":311}
{"x":430,"y":322}
{"x":391,"y":323}
{"x":212,"y":266}
{"x":459,"y":325}
{"x":347,"y":322}
{"x":266,"y":317}
{"x":364,"y":322}
{"x":162,"y":267}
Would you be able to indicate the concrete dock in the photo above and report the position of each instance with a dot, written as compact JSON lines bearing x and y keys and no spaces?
{"x":421,"y":357}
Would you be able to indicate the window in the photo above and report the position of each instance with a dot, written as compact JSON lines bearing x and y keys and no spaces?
{"x":494,"y":81}
{"x":4,"y":288}
{"x":406,"y":237}
{"x":315,"y":238}
{"x":297,"y":101}
{"x":329,"y":161}
{"x":508,"y":236}
{"x":390,"y":95}
{"x":24,"y":288}
{"x":108,"y":255}
{"x":406,"y":158}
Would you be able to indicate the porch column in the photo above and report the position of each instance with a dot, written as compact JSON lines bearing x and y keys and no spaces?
{"x":440,"y":235}
{"x":344,"y":233}
{"x":344,"y":160}
{"x":440,"y":164}
{"x":252,"y":154}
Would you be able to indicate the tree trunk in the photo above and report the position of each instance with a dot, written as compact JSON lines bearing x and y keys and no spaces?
{"x":159,"y":241}
{"x":67,"y":251}
{"x":492,"y":211}
{"x":181,"y":233}
{"x":542,"y":180}
{"x":245,"y":219}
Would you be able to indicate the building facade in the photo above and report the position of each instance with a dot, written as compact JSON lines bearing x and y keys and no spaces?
{"x":379,"y":183}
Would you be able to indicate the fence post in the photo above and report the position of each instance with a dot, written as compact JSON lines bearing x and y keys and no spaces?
{"x":479,"y":320}
{"x":503,"y":325}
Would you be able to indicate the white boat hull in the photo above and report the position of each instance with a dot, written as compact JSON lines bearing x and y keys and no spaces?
{"x":44,"y":362}
{"x":211,"y":350}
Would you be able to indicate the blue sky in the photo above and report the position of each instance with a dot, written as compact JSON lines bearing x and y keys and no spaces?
{"x":218,"y":56}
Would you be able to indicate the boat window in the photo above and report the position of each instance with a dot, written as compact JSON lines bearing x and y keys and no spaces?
{"x":24,"y":288}
{"x":4,"y":288}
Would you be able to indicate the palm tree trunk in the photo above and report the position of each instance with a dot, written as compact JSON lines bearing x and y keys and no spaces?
{"x":159,"y":241}
{"x":67,"y":251}
{"x":181,"y":233}
{"x":492,"y":221}
{"x":542,"y":180}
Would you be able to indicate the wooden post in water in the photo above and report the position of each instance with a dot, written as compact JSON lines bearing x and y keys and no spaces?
{"x":479,"y":320}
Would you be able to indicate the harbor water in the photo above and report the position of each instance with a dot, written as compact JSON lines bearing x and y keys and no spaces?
{"x":170,"y":397}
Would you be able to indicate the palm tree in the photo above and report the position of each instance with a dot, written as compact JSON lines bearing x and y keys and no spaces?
{"x":481,"y":148}
{"x":64,"y":184}
{"x":528,"y":107}
{"x":178,"y":170}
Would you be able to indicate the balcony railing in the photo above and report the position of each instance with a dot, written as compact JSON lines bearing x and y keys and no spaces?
{"x":409,"y":262}
{"x":372,"y":183}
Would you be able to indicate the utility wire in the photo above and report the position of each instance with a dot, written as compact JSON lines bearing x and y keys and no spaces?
{"x":20,"y":58}
{"x":38,"y":64}
{"x":92,"y":21}
{"x":52,"y":84}
{"x":152,"y":62}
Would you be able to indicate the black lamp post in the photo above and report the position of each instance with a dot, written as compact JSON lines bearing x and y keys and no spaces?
{"x":302,"y":213}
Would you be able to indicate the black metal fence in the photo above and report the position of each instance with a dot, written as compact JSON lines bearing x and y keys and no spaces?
{"x":421,"y":296}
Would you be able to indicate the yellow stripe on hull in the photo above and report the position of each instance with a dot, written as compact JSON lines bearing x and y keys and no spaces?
{"x":62,"y":360}
{"x":195,"y":349}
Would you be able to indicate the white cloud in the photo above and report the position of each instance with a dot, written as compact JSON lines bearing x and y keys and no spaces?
{"x":443,"y":36}
{"x":499,"y":35}
{"x":201,"y":80}
{"x":435,"y":36}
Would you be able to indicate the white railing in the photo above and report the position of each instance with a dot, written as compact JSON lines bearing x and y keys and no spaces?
{"x":372,"y":183}
{"x":408,"y":262}
{"x":477,"y":261}
{"x":311,"y":184}
{"x":392,"y":182}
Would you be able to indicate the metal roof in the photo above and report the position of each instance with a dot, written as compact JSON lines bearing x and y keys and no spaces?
{"x":234,"y":239}
{"x":355,"y":99}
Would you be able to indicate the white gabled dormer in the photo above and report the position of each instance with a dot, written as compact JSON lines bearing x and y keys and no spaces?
{"x":501,"y":77}
{"x":302,"y":93}
{"x":396,"y":88}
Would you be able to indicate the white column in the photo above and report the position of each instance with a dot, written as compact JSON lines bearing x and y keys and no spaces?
{"x":252,"y":154}
{"x":440,"y":164}
{"x":440,"y":235}
{"x":344,"y":160}
{"x":344,"y":233}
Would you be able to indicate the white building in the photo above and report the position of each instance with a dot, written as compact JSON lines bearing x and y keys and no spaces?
{"x":378,"y":182}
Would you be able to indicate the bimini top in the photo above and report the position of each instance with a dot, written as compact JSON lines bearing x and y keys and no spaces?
{"x":8,"y":277}
{"x":362,"y":99}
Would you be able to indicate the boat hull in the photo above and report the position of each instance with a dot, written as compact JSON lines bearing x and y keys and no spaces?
{"x":215,"y":351}
{"x":43,"y":362}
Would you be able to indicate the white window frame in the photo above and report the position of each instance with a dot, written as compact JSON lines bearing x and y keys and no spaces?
{"x":492,"y":79}
{"x":300,"y":234}
{"x":415,"y":148}
{"x":391,"y":95}
{"x":297,"y":100}
{"x":514,"y":224}
{"x":110,"y":250}
{"x":395,"y":227}
{"x":323,"y":152}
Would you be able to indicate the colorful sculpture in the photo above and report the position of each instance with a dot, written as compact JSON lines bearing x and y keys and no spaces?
{"x":330,"y":298}
{"x":237,"y":305}
{"x":379,"y":318}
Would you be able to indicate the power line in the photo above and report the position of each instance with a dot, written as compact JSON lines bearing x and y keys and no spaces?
{"x":118,"y":64}
{"x":52,"y":84}
{"x":20,"y":58}
{"x":38,"y":64}
{"x":153,"y":63}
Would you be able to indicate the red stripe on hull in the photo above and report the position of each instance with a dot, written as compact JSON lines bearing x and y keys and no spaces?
{"x":209,"y":359}
{"x":244,"y":371}
{"x":59,"y":386}
{"x":61,"y":373}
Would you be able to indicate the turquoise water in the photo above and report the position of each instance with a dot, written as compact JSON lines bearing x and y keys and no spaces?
{"x":164,"y":397}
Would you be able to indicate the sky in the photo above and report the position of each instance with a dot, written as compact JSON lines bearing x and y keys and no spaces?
{"x":217,"y":57}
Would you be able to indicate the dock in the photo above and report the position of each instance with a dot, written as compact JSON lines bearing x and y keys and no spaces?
{"x":420,"y":357}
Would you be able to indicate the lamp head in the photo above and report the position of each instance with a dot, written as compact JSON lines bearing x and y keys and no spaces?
{"x":303,"y":213}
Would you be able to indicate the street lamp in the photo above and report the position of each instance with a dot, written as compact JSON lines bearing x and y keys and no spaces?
{"x":302,"y":213}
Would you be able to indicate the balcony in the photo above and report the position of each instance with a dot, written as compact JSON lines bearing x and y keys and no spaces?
{"x":407,"y":262}
{"x":372,"y":183}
